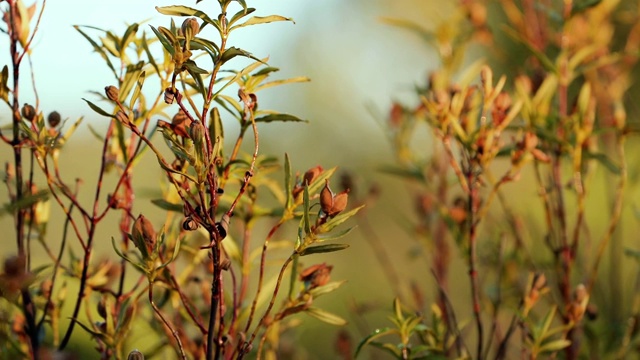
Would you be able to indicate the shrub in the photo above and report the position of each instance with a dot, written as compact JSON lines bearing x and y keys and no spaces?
{"x":195,"y":280}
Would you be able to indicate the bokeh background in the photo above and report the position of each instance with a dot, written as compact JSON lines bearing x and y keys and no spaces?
{"x":357,"y":65}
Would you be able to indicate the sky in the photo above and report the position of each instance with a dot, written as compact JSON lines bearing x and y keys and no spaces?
{"x":355,"y":62}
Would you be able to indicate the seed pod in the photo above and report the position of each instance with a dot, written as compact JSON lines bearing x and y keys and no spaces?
{"x":53,"y":119}
{"x":144,"y":236}
{"x":169,"y":95}
{"x":223,"y":226}
{"x":123,"y":118}
{"x":112,"y":92}
{"x":135,"y":355}
{"x":189,"y":224}
{"x":316,"y":275}
{"x":190,"y":26}
{"x":28,"y":112}
{"x":332,"y":204}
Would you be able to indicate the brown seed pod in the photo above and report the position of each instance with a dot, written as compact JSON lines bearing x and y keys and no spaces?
{"x":112,"y":92}
{"x":28,"y":112}
{"x":54,"y":119}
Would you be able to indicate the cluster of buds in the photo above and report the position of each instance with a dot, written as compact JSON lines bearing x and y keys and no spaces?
{"x":536,"y":287}
{"x":578,"y":306}
{"x":528,"y":145}
{"x":14,"y":277}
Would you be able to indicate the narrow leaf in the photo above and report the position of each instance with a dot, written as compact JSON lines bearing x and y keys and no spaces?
{"x":325,"y":316}
{"x":323,"y":249}
{"x":179,"y":10}
{"x":255,"y":20}
{"x":97,"y":109}
{"x":279,"y":117}
{"x":165,"y":205}
{"x":378,"y":333}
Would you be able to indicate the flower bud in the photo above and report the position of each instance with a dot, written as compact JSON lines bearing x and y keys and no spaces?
{"x":316,"y":275}
{"x":135,"y":355}
{"x":190,"y":26}
{"x":112,"y":92}
{"x":196,"y":132}
{"x":53,"y":119}
{"x":28,"y":112}
{"x":123,"y":118}
{"x":144,"y":236}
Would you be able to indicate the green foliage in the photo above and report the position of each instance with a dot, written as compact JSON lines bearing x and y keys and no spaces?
{"x":212,"y":197}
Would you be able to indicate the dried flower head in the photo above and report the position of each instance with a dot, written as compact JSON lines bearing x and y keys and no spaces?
{"x":307,"y":179}
{"x":316,"y":275}
{"x":333,"y":204}
{"x":112,"y":92}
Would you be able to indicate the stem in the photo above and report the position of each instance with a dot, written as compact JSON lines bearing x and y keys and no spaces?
{"x":214,"y":346}
{"x":166,"y":323}
{"x":472,"y":211}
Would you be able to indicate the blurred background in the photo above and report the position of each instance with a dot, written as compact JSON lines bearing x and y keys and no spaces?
{"x":358,"y":67}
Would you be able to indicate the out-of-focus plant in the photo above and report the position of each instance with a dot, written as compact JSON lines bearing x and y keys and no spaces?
{"x":560,"y":125}
{"x":198,"y":273}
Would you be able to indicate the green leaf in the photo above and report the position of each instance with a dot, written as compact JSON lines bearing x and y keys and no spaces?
{"x":145,"y":46}
{"x":279,"y":117}
{"x":240,"y":14}
{"x":238,"y":75}
{"x":168,"y":45}
{"x":544,"y":60}
{"x":325,"y":316}
{"x":216,"y":131}
{"x":232,"y":52}
{"x":414,"y":173}
{"x":295,"y":80}
{"x":411,"y":26}
{"x":165,"y":205}
{"x":378,"y":333}
{"x":131,"y":30}
{"x":555,"y":345}
{"x":342,"y":217}
{"x":327,"y":288}
{"x":333,"y":235}
{"x":179,"y":10}
{"x":196,"y":74}
{"x":97,"y":48}
{"x":131,"y":77}
{"x":605,"y":161}
{"x":323,"y":249}
{"x":255,"y":20}
{"x":582,"y":6}
{"x":136,"y":91}
{"x":97,"y":109}
{"x":4,"y":89}
{"x":26,"y":201}
{"x":287,"y":181}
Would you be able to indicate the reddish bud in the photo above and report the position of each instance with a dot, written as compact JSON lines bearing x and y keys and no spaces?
{"x":144,"y":236}
{"x":332,"y":204}
{"x":316,"y":275}
{"x":112,"y":92}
